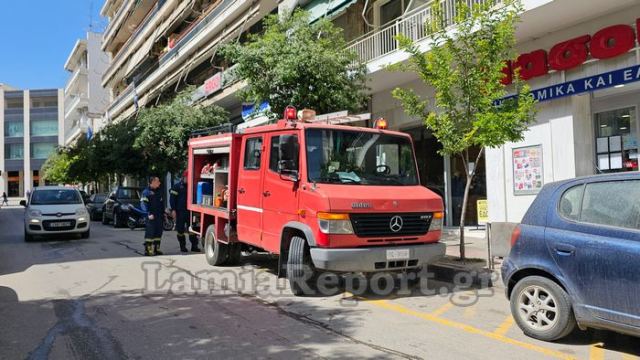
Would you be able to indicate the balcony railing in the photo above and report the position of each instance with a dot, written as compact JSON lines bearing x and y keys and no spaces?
{"x":121,"y":97}
{"x":80,"y":71}
{"x":117,"y":19}
{"x":413,"y":25}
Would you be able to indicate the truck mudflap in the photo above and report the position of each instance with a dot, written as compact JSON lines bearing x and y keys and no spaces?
{"x":373,"y":259}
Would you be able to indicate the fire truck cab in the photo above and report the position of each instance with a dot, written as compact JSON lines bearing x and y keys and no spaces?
{"x":324,"y":197}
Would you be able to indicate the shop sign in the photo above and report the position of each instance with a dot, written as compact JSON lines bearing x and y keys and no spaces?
{"x":210,"y":86}
{"x":527,"y":170}
{"x":607,"y":43}
{"x":583,"y":85}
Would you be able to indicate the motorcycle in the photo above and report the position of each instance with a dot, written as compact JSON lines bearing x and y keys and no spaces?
{"x":138,"y":218}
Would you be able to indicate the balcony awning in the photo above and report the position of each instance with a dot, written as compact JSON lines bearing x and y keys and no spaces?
{"x":140,"y":55}
{"x":327,"y":8}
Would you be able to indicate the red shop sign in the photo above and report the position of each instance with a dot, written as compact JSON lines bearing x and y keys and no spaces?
{"x":607,"y":43}
{"x":213,"y":84}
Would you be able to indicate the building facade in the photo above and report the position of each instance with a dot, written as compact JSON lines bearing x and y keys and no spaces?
{"x":84,"y":96}
{"x":32,"y":127}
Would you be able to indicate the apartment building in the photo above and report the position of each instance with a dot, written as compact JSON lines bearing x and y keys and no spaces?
{"x":158,"y":47}
{"x":32,"y":121}
{"x":84,"y":96}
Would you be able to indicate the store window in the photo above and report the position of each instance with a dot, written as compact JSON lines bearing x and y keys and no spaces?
{"x":13,"y":183}
{"x":42,"y":150}
{"x":13,"y":151}
{"x":616,"y":140}
{"x":13,"y":129}
{"x":44,"y":128}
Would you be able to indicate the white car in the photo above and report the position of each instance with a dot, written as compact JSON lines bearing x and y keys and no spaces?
{"x":55,"y":210}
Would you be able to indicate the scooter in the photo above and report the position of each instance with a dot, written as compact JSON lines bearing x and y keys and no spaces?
{"x":138,"y":218}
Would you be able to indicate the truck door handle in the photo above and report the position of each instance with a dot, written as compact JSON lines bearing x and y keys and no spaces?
{"x":266,"y":193}
{"x":241,"y":191}
{"x":565,"y":249}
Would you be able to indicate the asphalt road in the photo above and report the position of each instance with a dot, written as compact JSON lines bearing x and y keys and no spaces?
{"x":99,"y":298}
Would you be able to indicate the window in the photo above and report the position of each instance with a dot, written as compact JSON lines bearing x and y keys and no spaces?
{"x":616,"y":141}
{"x":275,"y":155}
{"x":13,"y":151}
{"x":252,"y":153}
{"x":570,"y":203}
{"x":44,"y":128}
{"x":56,"y":197}
{"x":128,"y":193}
{"x":42,"y":150}
{"x":13,"y":129}
{"x":612,"y":203}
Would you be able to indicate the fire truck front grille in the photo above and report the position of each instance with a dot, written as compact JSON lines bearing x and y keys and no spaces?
{"x":405,"y":224}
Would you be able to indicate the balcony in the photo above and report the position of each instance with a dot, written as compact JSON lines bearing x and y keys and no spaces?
{"x":77,"y":80}
{"x":381,"y":42}
{"x":128,"y":18}
{"x":74,"y":103}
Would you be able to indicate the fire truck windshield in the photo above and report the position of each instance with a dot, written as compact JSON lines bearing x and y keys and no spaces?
{"x":359,"y":158}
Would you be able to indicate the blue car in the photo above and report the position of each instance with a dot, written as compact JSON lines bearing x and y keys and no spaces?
{"x":575,"y":258}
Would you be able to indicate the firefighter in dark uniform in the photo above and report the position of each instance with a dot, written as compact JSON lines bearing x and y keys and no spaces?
{"x":151,"y":202}
{"x":178,"y":204}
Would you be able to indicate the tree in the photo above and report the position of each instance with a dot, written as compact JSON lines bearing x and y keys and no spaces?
{"x":301,"y":64}
{"x":113,"y":151}
{"x":55,"y":167}
{"x":163,"y":131}
{"x":464,"y":66}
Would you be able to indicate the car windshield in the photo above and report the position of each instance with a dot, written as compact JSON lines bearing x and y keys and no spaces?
{"x":55,"y":197}
{"x":128,"y":193}
{"x":359,"y":158}
{"x":100,"y":198}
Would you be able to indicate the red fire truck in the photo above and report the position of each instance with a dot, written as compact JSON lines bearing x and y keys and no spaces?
{"x":324,"y":197}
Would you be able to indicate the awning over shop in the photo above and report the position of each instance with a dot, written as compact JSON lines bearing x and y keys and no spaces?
{"x":326,"y":8}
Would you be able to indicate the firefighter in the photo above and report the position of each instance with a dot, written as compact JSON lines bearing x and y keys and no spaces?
{"x":151,"y":202}
{"x":178,"y":204}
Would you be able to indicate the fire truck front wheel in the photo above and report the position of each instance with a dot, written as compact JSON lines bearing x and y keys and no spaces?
{"x":215,"y":251}
{"x":301,"y":273}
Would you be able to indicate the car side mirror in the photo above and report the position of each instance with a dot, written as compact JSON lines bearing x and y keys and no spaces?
{"x":23,"y":203}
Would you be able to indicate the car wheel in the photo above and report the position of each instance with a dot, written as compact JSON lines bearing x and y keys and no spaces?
{"x":215,"y":252}
{"x":27,"y":237}
{"x":300,"y":270}
{"x":86,"y":234}
{"x":105,"y":220}
{"x":542,"y":309}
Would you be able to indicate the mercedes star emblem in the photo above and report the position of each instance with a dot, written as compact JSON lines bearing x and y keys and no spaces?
{"x":396,"y":223}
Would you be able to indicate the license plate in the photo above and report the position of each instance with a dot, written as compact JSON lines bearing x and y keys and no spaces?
{"x":398,"y":254}
{"x":60,"y":224}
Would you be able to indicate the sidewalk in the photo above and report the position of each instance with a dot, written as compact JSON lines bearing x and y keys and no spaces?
{"x":475,"y":242}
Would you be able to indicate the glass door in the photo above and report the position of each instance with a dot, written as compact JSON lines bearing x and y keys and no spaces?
{"x":616,"y":140}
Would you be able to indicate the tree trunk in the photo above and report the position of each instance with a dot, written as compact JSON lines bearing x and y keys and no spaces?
{"x":463,"y":212}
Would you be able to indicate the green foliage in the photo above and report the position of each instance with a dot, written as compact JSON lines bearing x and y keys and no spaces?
{"x":300,"y":64}
{"x":465,"y":68}
{"x":55,"y":167}
{"x":163,"y":131}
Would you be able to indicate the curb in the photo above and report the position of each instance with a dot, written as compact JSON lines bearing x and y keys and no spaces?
{"x":472,"y":276}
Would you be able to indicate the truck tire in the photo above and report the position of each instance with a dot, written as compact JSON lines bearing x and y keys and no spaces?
{"x":542,"y":309}
{"x":301,"y":273}
{"x":235,"y":253}
{"x":216,"y":252}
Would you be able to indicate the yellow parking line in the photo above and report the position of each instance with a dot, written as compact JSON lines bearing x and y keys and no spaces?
{"x":630,"y":357}
{"x":596,"y":352}
{"x":505,"y":326}
{"x":442,"y":309}
{"x":468,"y":328}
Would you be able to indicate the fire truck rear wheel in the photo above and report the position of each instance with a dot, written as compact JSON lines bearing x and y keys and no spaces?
{"x":235,"y":253}
{"x":215,"y":251}
{"x":301,"y":273}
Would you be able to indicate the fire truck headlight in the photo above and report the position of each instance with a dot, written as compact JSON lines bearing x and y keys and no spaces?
{"x":334,"y":223}
{"x":436,"y":221}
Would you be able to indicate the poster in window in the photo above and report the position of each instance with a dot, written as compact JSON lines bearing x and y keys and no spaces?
{"x":527,"y":170}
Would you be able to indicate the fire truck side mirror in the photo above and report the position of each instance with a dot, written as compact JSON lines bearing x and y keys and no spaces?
{"x":287,"y":171}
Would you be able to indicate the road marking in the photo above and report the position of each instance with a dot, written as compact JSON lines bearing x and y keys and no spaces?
{"x":505,"y":326}
{"x":442,"y":309}
{"x":596,"y":352}
{"x":467,"y":328}
{"x":630,"y":357}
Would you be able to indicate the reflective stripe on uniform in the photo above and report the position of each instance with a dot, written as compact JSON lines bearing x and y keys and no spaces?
{"x":144,"y":199}
{"x":173,"y":192}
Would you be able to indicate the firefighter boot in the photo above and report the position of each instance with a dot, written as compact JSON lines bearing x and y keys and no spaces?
{"x":194,"y":243}
{"x":156,"y":248}
{"x":148,"y":248}
{"x":183,"y":243}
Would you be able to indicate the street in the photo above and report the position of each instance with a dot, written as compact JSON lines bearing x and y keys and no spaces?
{"x":100,"y":298}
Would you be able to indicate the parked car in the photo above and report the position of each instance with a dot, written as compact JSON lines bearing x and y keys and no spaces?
{"x":55,"y":210}
{"x":85,"y":196}
{"x":575,"y":258}
{"x":95,"y":206}
{"x":114,"y":211}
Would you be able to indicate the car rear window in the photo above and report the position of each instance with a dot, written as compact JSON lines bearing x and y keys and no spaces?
{"x":612,"y":203}
{"x":570,"y":203}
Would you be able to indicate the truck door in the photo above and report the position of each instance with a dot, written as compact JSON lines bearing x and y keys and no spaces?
{"x":250,"y":190}
{"x":280,"y":193}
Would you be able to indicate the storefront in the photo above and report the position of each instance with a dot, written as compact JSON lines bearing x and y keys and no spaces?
{"x":587,"y":81}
